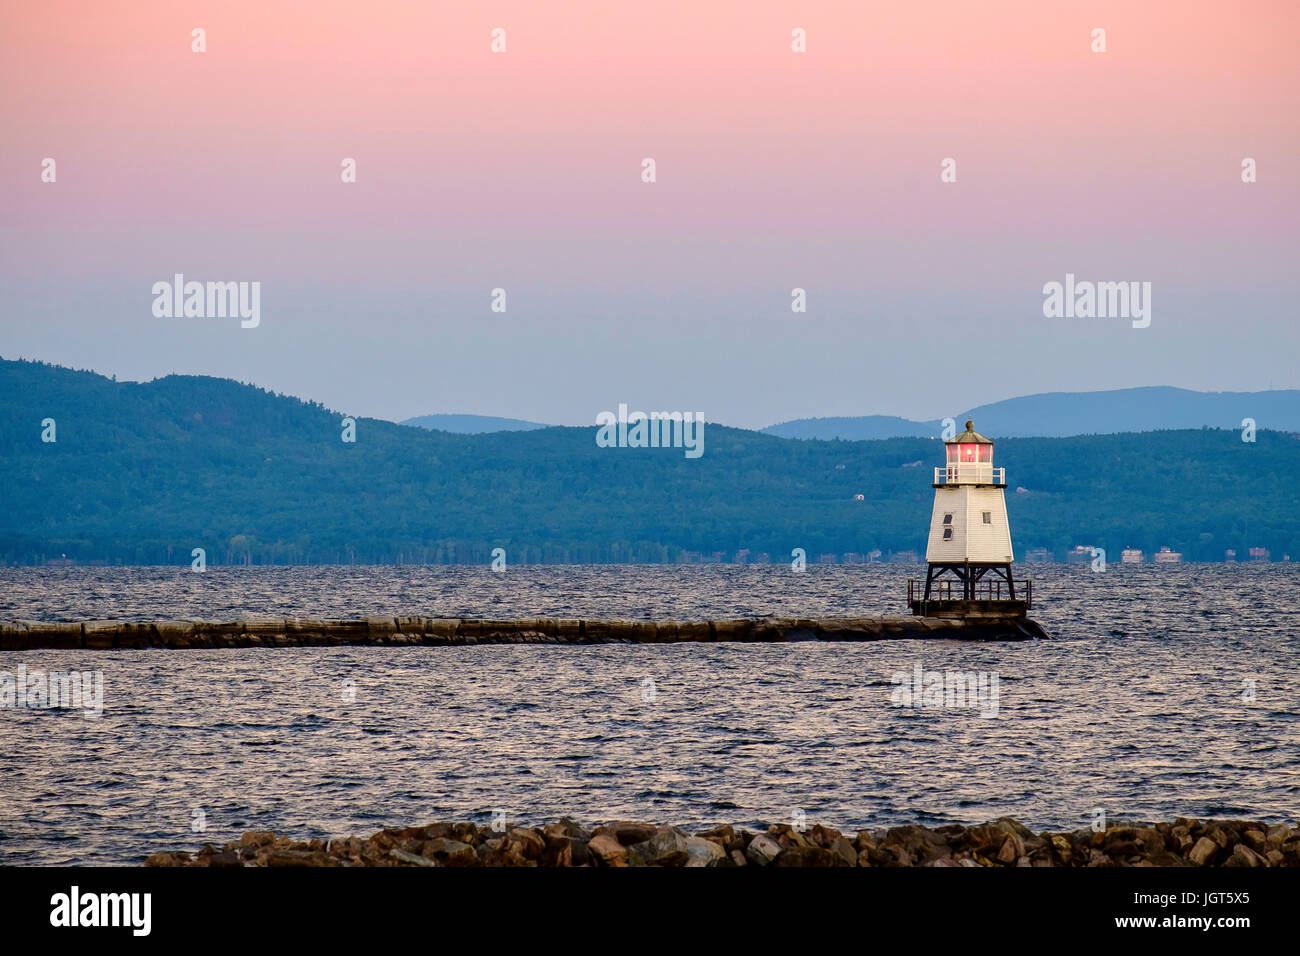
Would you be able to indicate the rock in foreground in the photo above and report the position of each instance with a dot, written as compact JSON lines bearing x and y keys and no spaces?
{"x":1004,"y":842}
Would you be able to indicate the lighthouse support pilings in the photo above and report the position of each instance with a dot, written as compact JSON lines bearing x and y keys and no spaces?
{"x":970,"y":575}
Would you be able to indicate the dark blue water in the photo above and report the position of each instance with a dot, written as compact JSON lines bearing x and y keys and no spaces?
{"x":1165,"y":691}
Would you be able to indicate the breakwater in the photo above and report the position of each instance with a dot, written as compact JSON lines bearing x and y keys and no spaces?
{"x":1002,"y":843}
{"x":433,"y":631}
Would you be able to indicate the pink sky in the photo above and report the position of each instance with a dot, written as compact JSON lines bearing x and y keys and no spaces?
{"x":770,"y":164}
{"x":549,"y":136}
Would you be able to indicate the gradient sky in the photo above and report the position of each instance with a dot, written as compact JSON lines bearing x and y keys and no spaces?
{"x":775,"y":170}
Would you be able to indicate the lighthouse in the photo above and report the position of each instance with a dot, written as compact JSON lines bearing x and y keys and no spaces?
{"x":969,"y":552}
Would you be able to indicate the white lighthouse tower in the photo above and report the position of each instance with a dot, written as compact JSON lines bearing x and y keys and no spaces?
{"x":969,"y":552}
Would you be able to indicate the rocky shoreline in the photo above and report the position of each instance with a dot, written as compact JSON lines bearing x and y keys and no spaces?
{"x":434,"y":631}
{"x":1002,"y":843}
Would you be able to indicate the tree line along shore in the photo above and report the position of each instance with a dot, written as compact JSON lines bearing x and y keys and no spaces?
{"x":143,"y":474}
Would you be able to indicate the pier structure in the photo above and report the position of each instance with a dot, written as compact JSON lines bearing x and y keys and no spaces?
{"x":383,"y":631}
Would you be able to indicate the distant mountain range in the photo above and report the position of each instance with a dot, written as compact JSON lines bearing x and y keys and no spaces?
{"x":1048,"y":415}
{"x":1064,"y":414}
{"x":142,"y":473}
{"x":472,"y":424}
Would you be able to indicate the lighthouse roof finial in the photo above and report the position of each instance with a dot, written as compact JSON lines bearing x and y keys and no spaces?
{"x":970,"y":436}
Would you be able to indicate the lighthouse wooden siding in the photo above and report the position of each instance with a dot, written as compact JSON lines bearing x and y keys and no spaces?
{"x":972,"y":540}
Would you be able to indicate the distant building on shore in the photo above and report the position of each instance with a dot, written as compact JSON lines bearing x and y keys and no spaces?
{"x":904,"y":557}
{"x":1132,"y":556}
{"x":1039,"y":556}
{"x":1260,"y":555}
{"x":1079,"y":554}
{"x":1166,"y":556}
{"x":1230,"y":555}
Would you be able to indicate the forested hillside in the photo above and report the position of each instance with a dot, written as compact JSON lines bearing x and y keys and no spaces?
{"x":143,"y":473}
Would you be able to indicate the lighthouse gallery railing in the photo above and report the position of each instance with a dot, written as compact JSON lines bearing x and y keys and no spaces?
{"x":970,"y":472}
{"x":986,"y":589}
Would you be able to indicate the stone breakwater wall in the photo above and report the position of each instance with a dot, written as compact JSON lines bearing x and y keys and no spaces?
{"x":1003,"y":843}
{"x":434,"y":631}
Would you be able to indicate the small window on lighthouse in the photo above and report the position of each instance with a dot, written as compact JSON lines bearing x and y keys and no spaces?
{"x":947,"y":534}
{"x":988,"y":517}
{"x":947,"y":519}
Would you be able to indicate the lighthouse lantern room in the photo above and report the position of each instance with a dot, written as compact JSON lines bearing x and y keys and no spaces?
{"x":969,"y":552}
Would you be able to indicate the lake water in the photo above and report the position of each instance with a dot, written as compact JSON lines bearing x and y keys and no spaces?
{"x":1165,"y":691}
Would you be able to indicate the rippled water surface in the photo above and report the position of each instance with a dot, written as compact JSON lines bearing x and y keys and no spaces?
{"x":1164,"y":691}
